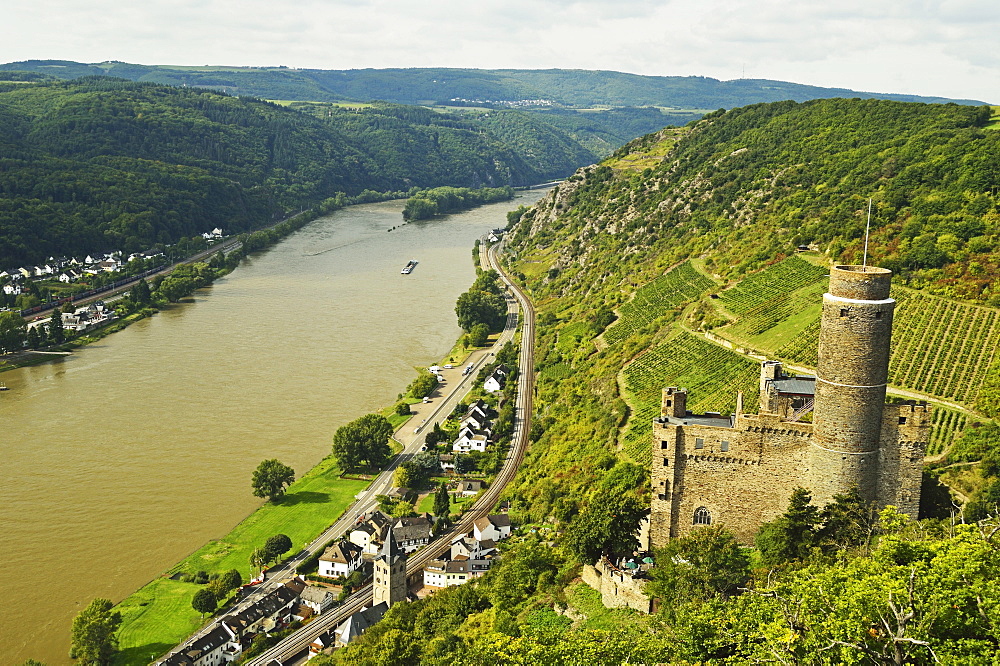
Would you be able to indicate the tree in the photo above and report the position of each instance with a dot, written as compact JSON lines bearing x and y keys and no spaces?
{"x":56,"y":333}
{"x":442,"y":501}
{"x":231,"y":580}
{"x":707,"y":563}
{"x":405,"y":475}
{"x":204,"y":602}
{"x":140,"y":293}
{"x":364,"y":439}
{"x":609,"y":524}
{"x":481,"y":307}
{"x":34,"y":340}
{"x":792,"y":535}
{"x":277,"y":546}
{"x":270,"y":478}
{"x":478,"y":336}
{"x":258,"y":559}
{"x":403,"y":408}
{"x":93,"y":639}
{"x":12,"y":332}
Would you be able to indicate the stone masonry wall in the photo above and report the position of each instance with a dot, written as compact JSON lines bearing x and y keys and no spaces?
{"x":618,"y":590}
{"x":742,"y":488}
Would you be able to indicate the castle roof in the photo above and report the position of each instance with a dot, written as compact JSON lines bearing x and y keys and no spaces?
{"x":794,"y":385}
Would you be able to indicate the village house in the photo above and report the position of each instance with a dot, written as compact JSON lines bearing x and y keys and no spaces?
{"x":497,"y":379}
{"x":413,"y":532}
{"x":319,"y":599}
{"x":469,"y":548}
{"x":448,"y":573}
{"x":469,"y":488}
{"x":359,"y":622}
{"x":492,"y":527}
{"x":226,"y":641}
{"x":340,"y":559}
{"x":469,"y":443}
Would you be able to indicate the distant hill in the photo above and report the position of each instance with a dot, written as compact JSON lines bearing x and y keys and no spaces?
{"x":102,"y":163}
{"x":602,"y":110}
{"x":440,"y":85}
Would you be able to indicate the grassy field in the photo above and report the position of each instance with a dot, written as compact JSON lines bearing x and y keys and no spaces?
{"x":159,"y":615}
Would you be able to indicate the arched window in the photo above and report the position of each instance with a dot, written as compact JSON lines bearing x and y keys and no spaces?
{"x":702,"y":516}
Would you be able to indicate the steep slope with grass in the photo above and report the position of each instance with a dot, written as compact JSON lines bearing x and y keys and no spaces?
{"x":623,"y":257}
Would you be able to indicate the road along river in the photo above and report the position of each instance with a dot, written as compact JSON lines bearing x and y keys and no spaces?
{"x":126,"y":456}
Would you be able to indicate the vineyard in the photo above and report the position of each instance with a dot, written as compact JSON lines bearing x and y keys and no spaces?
{"x":943,"y":348}
{"x":770,"y":287}
{"x":939,"y":347}
{"x":946,"y":425}
{"x":681,"y":284}
{"x":712,"y":375}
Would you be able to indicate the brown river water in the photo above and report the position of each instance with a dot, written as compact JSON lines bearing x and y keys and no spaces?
{"x":123,"y":458}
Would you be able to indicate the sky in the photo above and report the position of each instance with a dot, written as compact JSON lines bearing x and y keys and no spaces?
{"x":947,"y":48}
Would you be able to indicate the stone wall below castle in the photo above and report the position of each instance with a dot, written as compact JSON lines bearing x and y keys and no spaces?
{"x":618,"y":589}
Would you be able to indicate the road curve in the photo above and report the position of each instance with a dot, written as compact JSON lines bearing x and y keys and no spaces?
{"x":295,"y":645}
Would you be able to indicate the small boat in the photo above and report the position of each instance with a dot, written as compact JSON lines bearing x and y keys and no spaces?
{"x":3,"y":387}
{"x":409,"y":267}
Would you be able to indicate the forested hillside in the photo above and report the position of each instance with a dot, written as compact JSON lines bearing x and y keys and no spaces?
{"x":639,"y":268}
{"x":738,"y":192}
{"x":439,"y":85}
{"x":101,"y":163}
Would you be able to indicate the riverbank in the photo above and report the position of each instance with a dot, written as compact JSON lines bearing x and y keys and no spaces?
{"x":138,"y":450}
{"x":246,"y":245}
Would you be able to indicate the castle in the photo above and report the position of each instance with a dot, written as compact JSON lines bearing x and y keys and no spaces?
{"x":740,"y":470}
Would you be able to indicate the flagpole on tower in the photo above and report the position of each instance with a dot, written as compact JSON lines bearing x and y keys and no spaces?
{"x":864,"y":263}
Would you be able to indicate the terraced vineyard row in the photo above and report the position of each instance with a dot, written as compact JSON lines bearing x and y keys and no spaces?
{"x":946,"y":424}
{"x":682,"y":284}
{"x":943,"y":348}
{"x":712,"y":375}
{"x":939,"y":347}
{"x":771,"y":283}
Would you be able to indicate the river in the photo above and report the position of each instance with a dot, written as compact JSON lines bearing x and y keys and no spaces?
{"x":124,"y":457}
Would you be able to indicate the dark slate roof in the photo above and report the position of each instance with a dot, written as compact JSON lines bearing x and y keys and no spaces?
{"x":795,"y":385}
{"x":390,"y":549}
{"x":715,"y":420}
{"x":343,"y":551}
{"x":266,"y":607}
{"x":194,"y":651}
{"x":412,"y":532}
{"x":357,"y":623}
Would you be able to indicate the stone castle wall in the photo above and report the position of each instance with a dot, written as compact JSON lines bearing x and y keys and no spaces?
{"x":743,"y":476}
{"x":618,"y":589}
{"x":741,"y":488}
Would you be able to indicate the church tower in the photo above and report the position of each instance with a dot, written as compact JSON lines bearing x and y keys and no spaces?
{"x":851,"y":377}
{"x":389,"y":583}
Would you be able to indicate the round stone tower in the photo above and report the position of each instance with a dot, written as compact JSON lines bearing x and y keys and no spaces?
{"x":850,"y":382}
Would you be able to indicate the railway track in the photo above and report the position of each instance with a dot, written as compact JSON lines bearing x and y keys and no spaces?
{"x":293,"y":647}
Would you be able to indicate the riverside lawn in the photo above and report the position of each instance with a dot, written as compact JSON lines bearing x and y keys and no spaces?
{"x":159,"y":615}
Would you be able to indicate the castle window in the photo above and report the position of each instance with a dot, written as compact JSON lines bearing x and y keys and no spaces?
{"x":664,"y":445}
{"x":670,"y":403}
{"x":666,"y":462}
{"x":699,"y":443}
{"x":843,"y":312}
{"x":724,"y":446}
{"x":878,"y":314}
{"x":902,"y":420}
{"x":702,"y":516}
